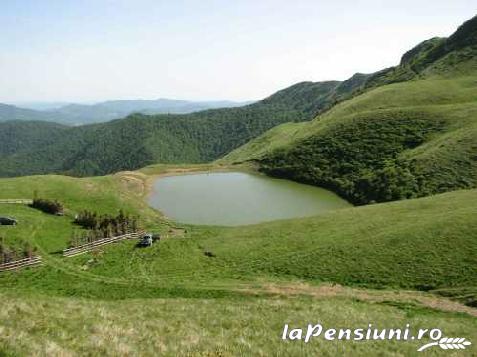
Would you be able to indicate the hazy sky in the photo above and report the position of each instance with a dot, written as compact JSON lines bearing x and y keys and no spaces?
{"x":91,"y":50}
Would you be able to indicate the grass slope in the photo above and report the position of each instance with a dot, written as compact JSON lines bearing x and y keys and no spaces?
{"x":173,"y":299}
{"x":396,"y":140}
{"x":203,"y":327}
{"x":420,"y":244}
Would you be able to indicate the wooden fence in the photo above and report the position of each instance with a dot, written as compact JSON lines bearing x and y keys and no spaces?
{"x":84,"y":248}
{"x":21,"y":201}
{"x":22,"y":263}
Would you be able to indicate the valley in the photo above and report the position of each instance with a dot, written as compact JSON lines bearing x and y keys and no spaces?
{"x":402,"y":248}
{"x":344,"y":203}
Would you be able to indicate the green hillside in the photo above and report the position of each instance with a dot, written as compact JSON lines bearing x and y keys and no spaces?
{"x":401,"y":144}
{"x":139,"y":140}
{"x":23,"y":136}
{"x":399,"y":140}
{"x":250,"y":325}
{"x":287,"y":270}
{"x":375,"y":246}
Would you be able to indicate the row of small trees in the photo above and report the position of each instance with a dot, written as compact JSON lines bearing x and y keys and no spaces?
{"x":101,"y":226}
{"x":10,"y":254}
{"x":96,"y":226}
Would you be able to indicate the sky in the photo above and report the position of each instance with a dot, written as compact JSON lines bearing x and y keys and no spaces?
{"x":94,"y":50}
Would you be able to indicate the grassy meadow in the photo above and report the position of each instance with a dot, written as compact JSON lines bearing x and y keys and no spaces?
{"x":404,"y":262}
{"x":248,"y":325}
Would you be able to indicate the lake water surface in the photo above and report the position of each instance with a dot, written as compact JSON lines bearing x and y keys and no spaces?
{"x":237,"y":198}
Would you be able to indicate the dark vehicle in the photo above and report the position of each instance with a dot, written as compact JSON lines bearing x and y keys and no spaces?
{"x":8,"y":221}
{"x":146,"y":240}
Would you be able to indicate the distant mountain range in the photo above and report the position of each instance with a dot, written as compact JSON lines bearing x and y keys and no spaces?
{"x":34,"y":147}
{"x":77,"y":114}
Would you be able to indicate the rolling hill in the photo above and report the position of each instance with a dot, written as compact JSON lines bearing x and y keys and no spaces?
{"x":12,"y":112}
{"x":18,"y":136}
{"x":412,"y":135}
{"x":439,"y":72}
{"x":396,"y":135}
{"x":421,"y":244}
{"x":139,"y":140}
{"x":259,"y":277}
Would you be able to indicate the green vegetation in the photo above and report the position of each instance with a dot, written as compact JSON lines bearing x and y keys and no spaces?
{"x":438,"y":56}
{"x":20,"y":136}
{"x":206,"y":290}
{"x":397,"y":141}
{"x":140,"y":140}
{"x":101,"y":226}
{"x":436,"y":251}
{"x":272,"y":139}
{"x":219,"y":327}
{"x":384,"y":155}
{"x":9,"y":254}
{"x":94,"y":194}
{"x":376,"y":147}
{"x":279,"y":269}
{"x":48,"y":206}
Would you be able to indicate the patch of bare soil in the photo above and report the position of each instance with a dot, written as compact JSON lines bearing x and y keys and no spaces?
{"x":132,"y":181}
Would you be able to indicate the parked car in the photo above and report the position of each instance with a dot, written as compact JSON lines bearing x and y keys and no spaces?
{"x":146,"y":240}
{"x":8,"y":221}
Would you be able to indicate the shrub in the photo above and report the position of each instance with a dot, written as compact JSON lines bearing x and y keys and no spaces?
{"x":48,"y":206}
{"x":360,"y":159}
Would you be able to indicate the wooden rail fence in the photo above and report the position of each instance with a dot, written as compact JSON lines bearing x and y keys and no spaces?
{"x":21,"y":201}
{"x":22,"y":263}
{"x":84,"y":248}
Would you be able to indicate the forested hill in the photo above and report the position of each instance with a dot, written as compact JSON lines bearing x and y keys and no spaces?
{"x":139,"y":140}
{"x":20,"y":136}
